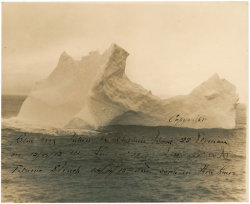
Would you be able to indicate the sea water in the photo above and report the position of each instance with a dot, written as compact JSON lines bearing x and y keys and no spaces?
{"x":121,"y":163}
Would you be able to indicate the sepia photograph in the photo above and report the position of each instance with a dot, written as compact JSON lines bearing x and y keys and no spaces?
{"x":124,"y":102}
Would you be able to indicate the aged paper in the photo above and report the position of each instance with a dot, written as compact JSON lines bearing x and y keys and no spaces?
{"x":124,"y":102}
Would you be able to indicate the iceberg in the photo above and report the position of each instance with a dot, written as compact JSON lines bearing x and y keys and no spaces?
{"x":95,"y":91}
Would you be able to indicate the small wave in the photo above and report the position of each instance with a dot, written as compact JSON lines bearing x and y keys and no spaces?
{"x":25,"y":126}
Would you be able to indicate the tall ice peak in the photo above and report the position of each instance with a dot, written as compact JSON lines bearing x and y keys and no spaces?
{"x":114,"y":47}
{"x":65,"y":57}
{"x":214,"y":77}
{"x":65,"y":54}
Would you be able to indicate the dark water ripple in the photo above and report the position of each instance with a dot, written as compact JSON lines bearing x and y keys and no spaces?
{"x":131,"y":186}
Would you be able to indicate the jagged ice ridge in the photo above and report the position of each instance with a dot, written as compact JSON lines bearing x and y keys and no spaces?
{"x":95,"y":91}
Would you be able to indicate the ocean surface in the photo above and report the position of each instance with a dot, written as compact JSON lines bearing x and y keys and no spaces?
{"x":121,"y":163}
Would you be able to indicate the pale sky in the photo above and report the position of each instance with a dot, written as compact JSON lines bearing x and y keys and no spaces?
{"x":173,"y":46}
